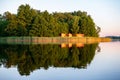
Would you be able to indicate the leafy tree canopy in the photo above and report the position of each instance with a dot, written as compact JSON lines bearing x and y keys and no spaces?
{"x":32,"y":22}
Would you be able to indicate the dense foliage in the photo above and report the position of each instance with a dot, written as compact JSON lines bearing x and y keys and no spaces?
{"x":28,"y":58}
{"x":31,"y":22}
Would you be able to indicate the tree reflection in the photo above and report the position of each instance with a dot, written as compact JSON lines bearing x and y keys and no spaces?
{"x":28,"y":58}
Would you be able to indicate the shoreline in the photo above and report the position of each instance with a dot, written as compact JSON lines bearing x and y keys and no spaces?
{"x":52,"y":40}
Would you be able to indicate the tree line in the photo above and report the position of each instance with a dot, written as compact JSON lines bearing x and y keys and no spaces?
{"x":28,"y":58}
{"x":32,"y":22}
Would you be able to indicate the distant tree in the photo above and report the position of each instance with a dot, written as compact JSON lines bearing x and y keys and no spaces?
{"x":87,"y":26}
{"x":11,"y":29}
{"x":62,"y":25}
{"x":39,"y":27}
{"x":98,"y":29}
{"x":3,"y":25}
{"x":74,"y":29}
{"x":31,"y":22}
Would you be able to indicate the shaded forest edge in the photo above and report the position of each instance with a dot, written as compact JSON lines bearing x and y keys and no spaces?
{"x":32,"y":22}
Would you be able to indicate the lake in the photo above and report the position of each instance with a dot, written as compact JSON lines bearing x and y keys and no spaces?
{"x":56,"y":62}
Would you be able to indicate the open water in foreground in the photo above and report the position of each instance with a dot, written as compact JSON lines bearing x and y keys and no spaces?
{"x":56,"y":62}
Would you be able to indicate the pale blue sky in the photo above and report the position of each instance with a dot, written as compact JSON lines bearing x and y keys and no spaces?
{"x":105,"y":13}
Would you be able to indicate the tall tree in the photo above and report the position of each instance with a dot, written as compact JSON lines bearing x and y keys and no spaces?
{"x":11,"y":28}
{"x":25,"y":17}
{"x":31,"y":22}
{"x":3,"y":25}
{"x":74,"y":29}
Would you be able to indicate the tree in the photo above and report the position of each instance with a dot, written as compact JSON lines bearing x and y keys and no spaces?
{"x":3,"y":25}
{"x":39,"y":27}
{"x":74,"y":29}
{"x":25,"y":17}
{"x":98,"y":29}
{"x":87,"y":26}
{"x":11,"y":29}
{"x":31,"y":22}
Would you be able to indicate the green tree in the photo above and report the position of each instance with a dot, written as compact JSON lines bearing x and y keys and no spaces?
{"x":74,"y":29}
{"x":3,"y":25}
{"x":98,"y":29}
{"x":31,"y":22}
{"x":25,"y":17}
{"x":11,"y":29}
{"x":39,"y":27}
{"x":87,"y":26}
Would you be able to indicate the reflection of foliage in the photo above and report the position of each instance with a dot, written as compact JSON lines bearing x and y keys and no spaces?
{"x":27,"y":58}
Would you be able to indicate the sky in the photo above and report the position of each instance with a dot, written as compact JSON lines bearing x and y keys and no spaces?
{"x":105,"y":13}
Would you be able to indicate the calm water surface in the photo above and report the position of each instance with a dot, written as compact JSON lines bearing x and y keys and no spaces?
{"x":51,"y":62}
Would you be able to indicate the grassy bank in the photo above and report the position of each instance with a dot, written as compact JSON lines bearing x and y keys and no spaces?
{"x":52,"y":40}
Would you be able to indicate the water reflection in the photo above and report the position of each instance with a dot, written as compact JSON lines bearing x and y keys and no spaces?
{"x":28,"y":58}
{"x":63,"y":45}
